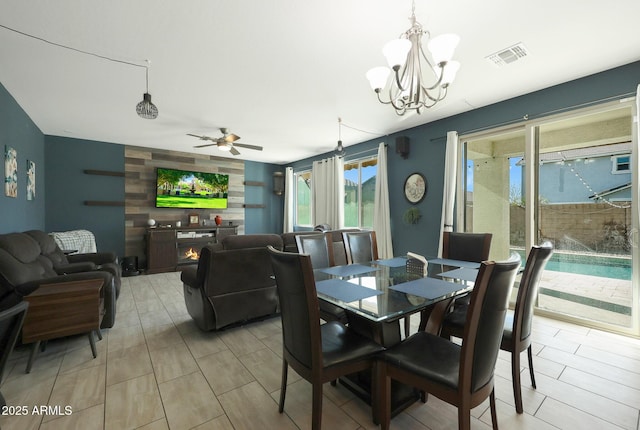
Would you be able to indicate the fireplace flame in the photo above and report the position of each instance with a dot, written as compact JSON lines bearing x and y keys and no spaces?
{"x":192,"y":254}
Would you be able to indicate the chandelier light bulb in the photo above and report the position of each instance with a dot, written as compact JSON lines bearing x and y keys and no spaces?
{"x":378,"y":77}
{"x":396,"y":52}
{"x":442,"y":47}
{"x":449,"y":73}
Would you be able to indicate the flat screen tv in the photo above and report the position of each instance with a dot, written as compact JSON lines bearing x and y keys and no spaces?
{"x":191,"y":190}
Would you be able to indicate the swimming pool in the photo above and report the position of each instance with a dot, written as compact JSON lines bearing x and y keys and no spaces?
{"x":589,"y":264}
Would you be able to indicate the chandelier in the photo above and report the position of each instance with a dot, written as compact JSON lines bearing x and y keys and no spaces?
{"x":408,"y":61}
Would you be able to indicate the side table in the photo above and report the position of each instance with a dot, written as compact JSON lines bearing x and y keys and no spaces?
{"x":63,"y":310}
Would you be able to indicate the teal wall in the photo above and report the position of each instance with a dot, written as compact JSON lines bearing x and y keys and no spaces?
{"x":68,"y":187}
{"x":19,"y":132}
{"x":270,"y":218}
{"x":427,"y":143}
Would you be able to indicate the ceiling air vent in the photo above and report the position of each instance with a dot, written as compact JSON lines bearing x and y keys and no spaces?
{"x":508,"y":55}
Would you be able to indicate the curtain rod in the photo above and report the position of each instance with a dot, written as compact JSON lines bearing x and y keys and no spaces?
{"x":528,"y":117}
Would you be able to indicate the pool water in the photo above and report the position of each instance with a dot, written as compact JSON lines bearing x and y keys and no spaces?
{"x":593,"y":265}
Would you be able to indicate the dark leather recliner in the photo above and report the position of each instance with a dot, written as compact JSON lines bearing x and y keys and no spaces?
{"x":232,"y":285}
{"x":74,"y":263}
{"x":23,"y":269}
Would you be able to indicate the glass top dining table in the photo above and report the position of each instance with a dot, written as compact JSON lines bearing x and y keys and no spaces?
{"x":386,"y":290}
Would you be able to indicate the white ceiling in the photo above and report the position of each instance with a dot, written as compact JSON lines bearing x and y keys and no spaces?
{"x":279,"y":73}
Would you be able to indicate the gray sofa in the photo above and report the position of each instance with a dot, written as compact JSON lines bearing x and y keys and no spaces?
{"x":234,"y":284}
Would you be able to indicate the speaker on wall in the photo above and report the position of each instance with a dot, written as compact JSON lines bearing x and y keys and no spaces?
{"x":402,"y":146}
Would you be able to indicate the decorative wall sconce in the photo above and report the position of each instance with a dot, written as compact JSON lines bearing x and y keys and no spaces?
{"x":402,"y":146}
{"x":278,"y":183}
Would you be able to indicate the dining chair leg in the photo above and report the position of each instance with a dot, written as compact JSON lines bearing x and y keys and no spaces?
{"x":316,"y":409}
{"x":283,"y":385}
{"x":515,"y":378}
{"x":533,"y":378}
{"x":464,"y":417}
{"x":494,"y":414}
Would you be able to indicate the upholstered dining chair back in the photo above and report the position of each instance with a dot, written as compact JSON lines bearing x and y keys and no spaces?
{"x":537,"y":260}
{"x":466,"y":246}
{"x":360,"y":246}
{"x":318,"y":247}
{"x":485,"y":320}
{"x":11,"y":321}
{"x":460,"y":375}
{"x":298,"y":308}
{"x":317,"y":352}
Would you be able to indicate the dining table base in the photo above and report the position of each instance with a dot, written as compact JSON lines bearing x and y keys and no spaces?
{"x":387,"y":334}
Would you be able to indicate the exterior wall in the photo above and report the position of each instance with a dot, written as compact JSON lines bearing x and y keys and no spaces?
{"x":562,"y":185}
{"x":600,"y":228}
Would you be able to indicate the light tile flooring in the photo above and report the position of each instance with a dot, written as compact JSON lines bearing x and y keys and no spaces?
{"x":156,"y":370}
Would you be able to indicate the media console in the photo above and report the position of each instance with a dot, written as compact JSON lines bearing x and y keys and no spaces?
{"x":169,"y":248}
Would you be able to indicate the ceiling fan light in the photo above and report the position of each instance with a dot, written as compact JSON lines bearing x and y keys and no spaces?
{"x":396,"y":52}
{"x":146,"y":109}
{"x":224,"y":147}
{"x":378,"y":77}
{"x":442,"y":47}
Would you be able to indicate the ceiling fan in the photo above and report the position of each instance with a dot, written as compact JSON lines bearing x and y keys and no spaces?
{"x":226,"y":142}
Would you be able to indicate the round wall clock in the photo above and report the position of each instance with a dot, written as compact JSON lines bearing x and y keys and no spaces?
{"x":415,"y":188}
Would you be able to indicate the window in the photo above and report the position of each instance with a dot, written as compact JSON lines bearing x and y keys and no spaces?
{"x":621,"y":164}
{"x":303,"y":198}
{"x":359,"y":192}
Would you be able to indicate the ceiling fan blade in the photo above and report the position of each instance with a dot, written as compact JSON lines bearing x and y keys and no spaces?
{"x":207,"y":144}
{"x":244,"y":145}
{"x":234,"y":151}
{"x":231,"y":137}
{"x":199,"y":137}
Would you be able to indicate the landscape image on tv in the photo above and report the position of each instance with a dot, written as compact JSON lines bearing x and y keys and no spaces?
{"x":191,"y":190}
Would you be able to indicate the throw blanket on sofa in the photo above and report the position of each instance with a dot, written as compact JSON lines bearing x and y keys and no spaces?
{"x":81,"y":240}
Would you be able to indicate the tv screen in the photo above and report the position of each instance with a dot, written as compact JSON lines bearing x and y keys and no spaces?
{"x":191,"y":190}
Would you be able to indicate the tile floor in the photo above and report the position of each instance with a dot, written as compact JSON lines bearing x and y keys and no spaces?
{"x":156,"y":370}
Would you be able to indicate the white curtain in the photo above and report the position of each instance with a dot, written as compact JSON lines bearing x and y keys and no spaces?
{"x":288,"y":200}
{"x":449,"y":194}
{"x":381,"y":212}
{"x":634,"y":237}
{"x":327,"y":183}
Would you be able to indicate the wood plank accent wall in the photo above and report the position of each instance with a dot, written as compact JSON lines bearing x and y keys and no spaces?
{"x":140,"y":191}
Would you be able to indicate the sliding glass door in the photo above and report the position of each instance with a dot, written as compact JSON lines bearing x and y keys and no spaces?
{"x":568,"y":180}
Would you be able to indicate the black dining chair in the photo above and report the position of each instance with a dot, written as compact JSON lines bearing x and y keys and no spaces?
{"x":320,"y":248}
{"x":474,"y":247}
{"x":360,"y":246}
{"x":11,"y":321}
{"x":459,"y":375}
{"x":318,"y":352}
{"x":516,"y":336}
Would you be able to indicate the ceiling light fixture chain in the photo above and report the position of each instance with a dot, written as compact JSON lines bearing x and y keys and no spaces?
{"x":408,"y":62}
